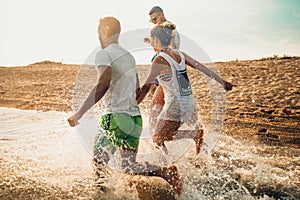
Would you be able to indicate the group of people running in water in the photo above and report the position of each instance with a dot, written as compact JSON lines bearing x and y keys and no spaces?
{"x":118,"y":87}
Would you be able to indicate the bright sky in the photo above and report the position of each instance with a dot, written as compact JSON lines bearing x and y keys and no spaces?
{"x":66,"y":30}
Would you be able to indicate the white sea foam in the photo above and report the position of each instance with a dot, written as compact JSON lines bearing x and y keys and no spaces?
{"x":42,"y":146}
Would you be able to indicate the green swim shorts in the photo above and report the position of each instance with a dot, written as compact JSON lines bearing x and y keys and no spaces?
{"x":121,"y":130}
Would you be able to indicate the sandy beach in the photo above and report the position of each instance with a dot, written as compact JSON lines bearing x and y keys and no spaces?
{"x":264,"y":104}
{"x":262,"y":110}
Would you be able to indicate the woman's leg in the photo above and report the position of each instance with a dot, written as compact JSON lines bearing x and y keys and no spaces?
{"x":165,"y":130}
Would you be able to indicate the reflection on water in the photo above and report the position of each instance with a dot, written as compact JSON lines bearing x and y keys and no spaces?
{"x":42,"y":155}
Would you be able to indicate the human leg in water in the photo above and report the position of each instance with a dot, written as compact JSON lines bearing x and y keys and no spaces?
{"x":131,"y":166}
{"x":156,"y":107}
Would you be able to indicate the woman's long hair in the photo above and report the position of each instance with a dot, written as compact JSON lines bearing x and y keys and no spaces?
{"x":164,"y":33}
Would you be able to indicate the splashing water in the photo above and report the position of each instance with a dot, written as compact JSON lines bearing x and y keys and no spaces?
{"x":40,"y":154}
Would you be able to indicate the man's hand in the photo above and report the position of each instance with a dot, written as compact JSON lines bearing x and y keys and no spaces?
{"x":227,"y":86}
{"x":73,"y":120}
{"x":147,"y":40}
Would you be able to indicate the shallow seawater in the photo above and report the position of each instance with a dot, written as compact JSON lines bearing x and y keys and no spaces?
{"x":42,"y":157}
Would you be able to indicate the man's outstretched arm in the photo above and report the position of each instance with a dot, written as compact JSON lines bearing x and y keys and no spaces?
{"x":97,"y":92}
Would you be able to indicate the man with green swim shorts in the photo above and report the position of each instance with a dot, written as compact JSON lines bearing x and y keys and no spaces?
{"x":121,"y":130}
{"x":121,"y":122}
{"x":117,"y":82}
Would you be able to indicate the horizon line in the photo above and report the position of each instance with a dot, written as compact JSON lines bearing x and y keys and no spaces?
{"x":274,"y":56}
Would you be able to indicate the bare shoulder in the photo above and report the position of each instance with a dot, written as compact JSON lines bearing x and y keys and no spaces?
{"x":159,"y":60}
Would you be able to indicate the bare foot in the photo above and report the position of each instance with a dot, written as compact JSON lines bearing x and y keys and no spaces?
{"x":173,"y":179}
{"x":198,"y":140}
